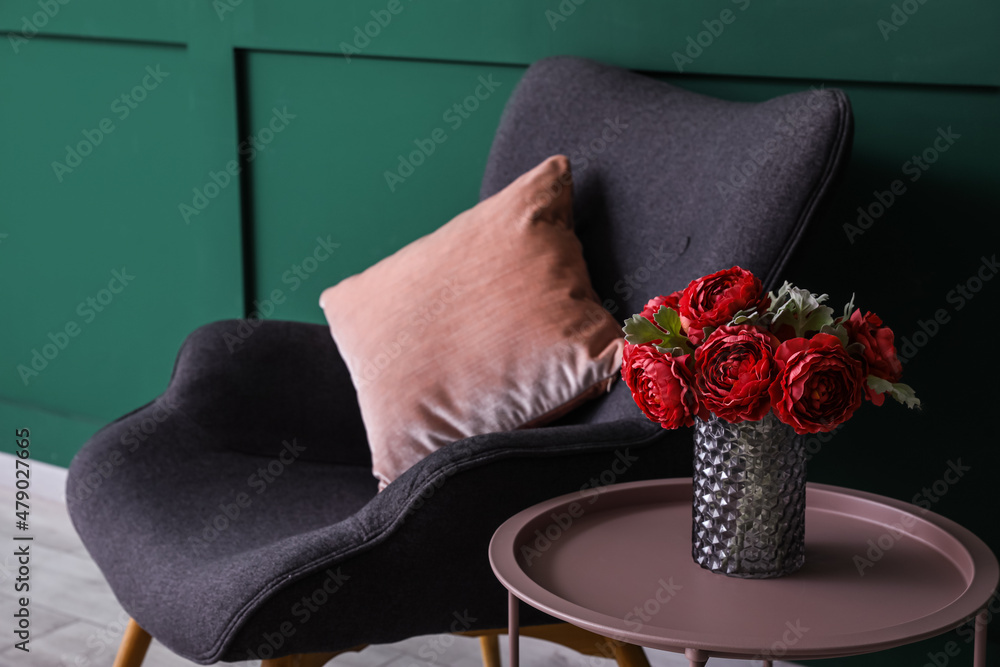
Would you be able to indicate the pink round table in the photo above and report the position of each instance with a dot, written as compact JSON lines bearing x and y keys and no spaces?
{"x":879,"y":573}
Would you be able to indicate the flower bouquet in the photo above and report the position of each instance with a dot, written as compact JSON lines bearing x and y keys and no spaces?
{"x":754,"y":372}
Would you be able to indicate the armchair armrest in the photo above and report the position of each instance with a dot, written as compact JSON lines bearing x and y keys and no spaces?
{"x":566,"y":446}
{"x":253,"y":384}
{"x":420,"y":546}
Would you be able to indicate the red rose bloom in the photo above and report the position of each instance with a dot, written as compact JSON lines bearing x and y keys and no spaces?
{"x":713,"y":300}
{"x":820,"y":385}
{"x":734,"y":369}
{"x":653,"y":307}
{"x":880,"y":349}
{"x":662,"y":386}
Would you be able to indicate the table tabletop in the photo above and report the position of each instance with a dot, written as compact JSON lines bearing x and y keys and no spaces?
{"x":879,"y":573}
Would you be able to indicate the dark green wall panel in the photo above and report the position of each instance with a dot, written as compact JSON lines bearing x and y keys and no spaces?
{"x":920,"y":41}
{"x":153,"y":20}
{"x":940,"y":42}
{"x":116,"y":211}
{"x":324,"y":176}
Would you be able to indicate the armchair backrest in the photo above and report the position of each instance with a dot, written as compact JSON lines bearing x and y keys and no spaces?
{"x":669,"y":184}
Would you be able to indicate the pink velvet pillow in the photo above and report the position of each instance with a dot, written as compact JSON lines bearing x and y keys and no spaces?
{"x":488,"y":324}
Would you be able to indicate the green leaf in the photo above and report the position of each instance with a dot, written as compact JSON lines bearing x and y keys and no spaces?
{"x":856,"y":349}
{"x":800,"y":309}
{"x":674,"y":342}
{"x":818,"y":318}
{"x":779,"y":298}
{"x":749,"y":316}
{"x":668,"y":319}
{"x":848,"y":309}
{"x":901,"y":392}
{"x":639,"y":331}
{"x":840,"y":332}
{"x":904,"y":394}
{"x":878,"y":385}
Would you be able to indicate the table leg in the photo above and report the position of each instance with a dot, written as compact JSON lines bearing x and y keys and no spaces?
{"x":512,"y":627}
{"x":696,"y":657}
{"x":979,"y":652}
{"x":766,"y":663}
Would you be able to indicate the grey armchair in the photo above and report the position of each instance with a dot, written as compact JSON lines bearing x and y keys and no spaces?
{"x":241,"y":519}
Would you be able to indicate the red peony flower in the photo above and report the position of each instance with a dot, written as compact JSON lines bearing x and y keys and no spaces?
{"x":713,"y":300}
{"x":734,"y":370}
{"x":654,"y":304}
{"x":880,"y":349}
{"x":820,"y":385}
{"x":662,"y":386}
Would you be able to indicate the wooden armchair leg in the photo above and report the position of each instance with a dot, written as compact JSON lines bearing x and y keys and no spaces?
{"x":629,"y":655}
{"x":490,"y":647}
{"x":570,"y":636}
{"x":133,"y":647}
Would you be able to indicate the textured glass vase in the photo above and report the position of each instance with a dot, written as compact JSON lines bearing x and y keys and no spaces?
{"x":749,"y":498}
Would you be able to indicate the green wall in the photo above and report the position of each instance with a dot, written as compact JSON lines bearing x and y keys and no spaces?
{"x":316,"y":124}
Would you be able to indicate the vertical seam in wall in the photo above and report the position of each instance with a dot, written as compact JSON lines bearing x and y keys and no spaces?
{"x":247,"y":231}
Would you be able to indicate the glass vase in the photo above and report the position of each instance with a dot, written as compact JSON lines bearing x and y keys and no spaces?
{"x":749,"y":498}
